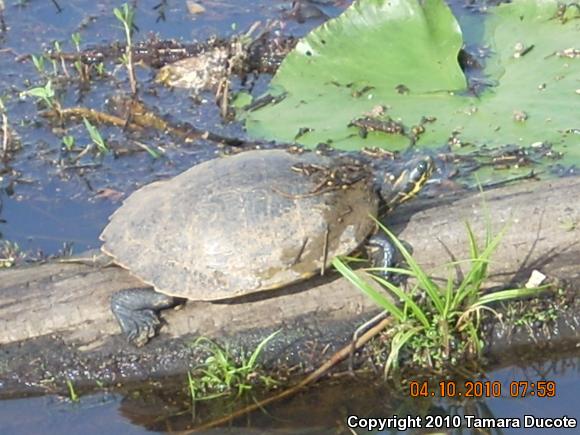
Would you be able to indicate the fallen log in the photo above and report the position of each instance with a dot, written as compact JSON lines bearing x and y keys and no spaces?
{"x":55,"y":321}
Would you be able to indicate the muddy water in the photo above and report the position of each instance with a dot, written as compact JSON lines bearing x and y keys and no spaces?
{"x":47,"y":201}
{"x":46,"y":204}
{"x":324,"y":409}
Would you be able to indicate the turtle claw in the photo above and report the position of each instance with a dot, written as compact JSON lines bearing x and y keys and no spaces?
{"x":135,"y":312}
{"x":143,"y":326}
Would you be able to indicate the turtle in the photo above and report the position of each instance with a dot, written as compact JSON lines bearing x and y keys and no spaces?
{"x":253,"y":221}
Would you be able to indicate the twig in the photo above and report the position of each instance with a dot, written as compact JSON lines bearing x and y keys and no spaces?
{"x":222,"y":95}
{"x":532,"y":175}
{"x":131,"y":70}
{"x":310,"y":379}
{"x":297,"y":259}
{"x":325,"y":250}
{"x":141,"y":119}
{"x":64,"y":68}
{"x":364,"y":327}
{"x":93,"y":116}
{"x":5,"y":135}
{"x":57,"y":6}
{"x":83,"y":153}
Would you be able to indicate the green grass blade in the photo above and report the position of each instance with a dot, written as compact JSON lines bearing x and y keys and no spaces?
{"x":401,"y":294}
{"x":428,"y":285}
{"x":397,"y":270}
{"x":504,"y":295}
{"x":448,"y":295}
{"x":256,"y":353}
{"x":192,"y":386}
{"x":399,"y":340}
{"x":478,"y":273}
{"x":473,"y":248}
{"x":95,"y":136}
{"x":367,"y":289}
{"x":491,"y":245}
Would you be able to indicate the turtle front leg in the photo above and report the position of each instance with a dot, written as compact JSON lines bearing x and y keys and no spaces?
{"x":381,"y":253}
{"x":136,"y":311}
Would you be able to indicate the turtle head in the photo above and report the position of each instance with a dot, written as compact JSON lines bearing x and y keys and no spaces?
{"x":409,"y":182}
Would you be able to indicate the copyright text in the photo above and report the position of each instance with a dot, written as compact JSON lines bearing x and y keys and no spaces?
{"x":457,"y":421}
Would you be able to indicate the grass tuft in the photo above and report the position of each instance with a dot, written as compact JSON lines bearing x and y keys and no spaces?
{"x":223,"y":374}
{"x":437,"y":326}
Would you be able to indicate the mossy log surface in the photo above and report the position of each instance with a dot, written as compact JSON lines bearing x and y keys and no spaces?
{"x":55,"y":321}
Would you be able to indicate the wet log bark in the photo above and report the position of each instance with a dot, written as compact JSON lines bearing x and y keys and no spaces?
{"x":55,"y":319}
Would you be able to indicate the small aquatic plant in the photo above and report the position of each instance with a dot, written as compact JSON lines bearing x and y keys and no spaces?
{"x":45,"y":94}
{"x":10,"y":253}
{"x":68,"y":142}
{"x":58,"y":52}
{"x":5,"y":129}
{"x":38,"y":62}
{"x":439,"y":325}
{"x":126,"y":15}
{"x":83,"y":70}
{"x":96,"y":136}
{"x":76,"y":40}
{"x":73,"y":396}
{"x":100,"y":68}
{"x":222,"y":373}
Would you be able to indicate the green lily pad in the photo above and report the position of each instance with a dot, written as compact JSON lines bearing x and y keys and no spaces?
{"x":359,"y":60}
{"x":536,"y":97}
{"x":403,"y":55}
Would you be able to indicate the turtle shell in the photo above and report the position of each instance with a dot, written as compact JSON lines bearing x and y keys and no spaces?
{"x":238,"y":225}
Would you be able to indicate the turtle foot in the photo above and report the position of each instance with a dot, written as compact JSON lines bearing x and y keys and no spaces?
{"x":136,"y":312}
{"x":381,"y":253}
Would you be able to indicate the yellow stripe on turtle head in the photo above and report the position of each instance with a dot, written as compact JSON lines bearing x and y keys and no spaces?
{"x":411,"y":181}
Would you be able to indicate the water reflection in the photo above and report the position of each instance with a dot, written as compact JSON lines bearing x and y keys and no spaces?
{"x":165,"y":407}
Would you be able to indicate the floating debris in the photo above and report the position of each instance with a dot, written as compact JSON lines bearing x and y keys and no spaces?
{"x":520,"y":116}
{"x":571,"y":53}
{"x":387,"y":125}
{"x":520,"y":49}
{"x":194,"y":8}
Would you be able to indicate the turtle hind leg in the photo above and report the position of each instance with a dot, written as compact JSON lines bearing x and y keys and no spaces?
{"x":136,"y":311}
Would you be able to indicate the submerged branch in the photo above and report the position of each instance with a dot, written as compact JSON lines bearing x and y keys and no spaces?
{"x":137,"y":117}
